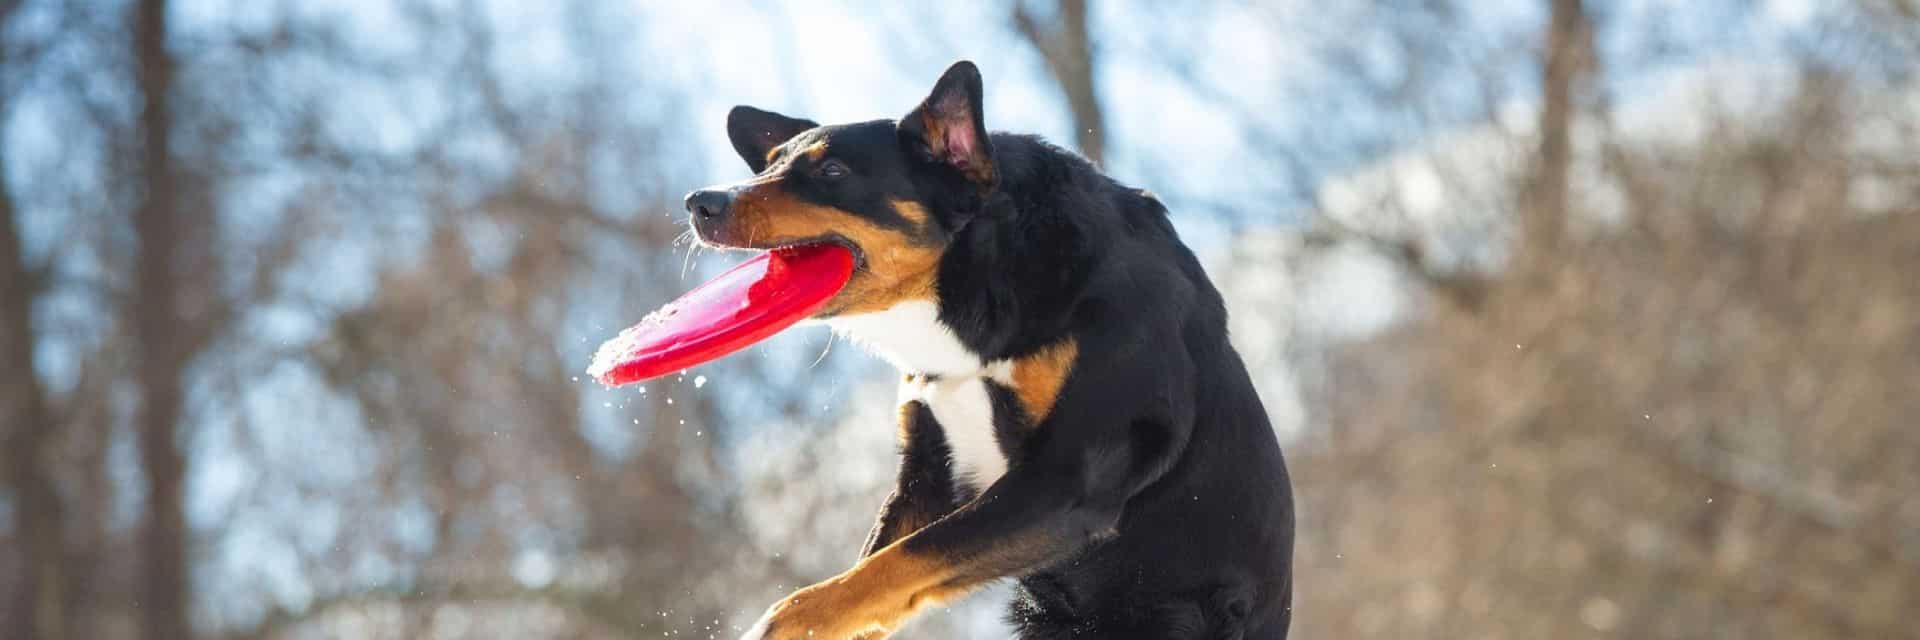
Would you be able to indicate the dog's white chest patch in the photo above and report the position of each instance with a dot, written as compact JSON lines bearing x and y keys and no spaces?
{"x":964,"y":409}
{"x":911,"y":337}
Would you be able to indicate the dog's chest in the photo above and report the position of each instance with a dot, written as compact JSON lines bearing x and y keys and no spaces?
{"x":964,"y":409}
{"x":956,"y":384}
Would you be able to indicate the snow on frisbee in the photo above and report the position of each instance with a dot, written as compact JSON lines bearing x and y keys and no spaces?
{"x":750,"y":302}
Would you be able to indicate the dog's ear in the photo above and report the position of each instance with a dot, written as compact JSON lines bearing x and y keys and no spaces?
{"x":947,"y":128}
{"x":755,"y":132}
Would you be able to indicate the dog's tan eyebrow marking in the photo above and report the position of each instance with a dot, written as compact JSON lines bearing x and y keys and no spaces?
{"x":911,"y":211}
{"x":1038,"y":377}
{"x":814,"y":152}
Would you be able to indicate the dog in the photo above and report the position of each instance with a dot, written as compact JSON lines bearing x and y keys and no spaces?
{"x":1072,"y":414}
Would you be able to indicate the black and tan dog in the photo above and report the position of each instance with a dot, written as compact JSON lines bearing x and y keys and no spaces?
{"x":1072,"y":414}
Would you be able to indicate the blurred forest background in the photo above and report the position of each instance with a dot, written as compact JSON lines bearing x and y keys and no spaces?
{"x":1578,"y":319}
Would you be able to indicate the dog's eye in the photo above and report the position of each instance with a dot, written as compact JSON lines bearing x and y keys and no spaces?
{"x":831,"y":170}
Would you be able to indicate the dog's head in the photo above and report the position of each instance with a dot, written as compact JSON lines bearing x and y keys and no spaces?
{"x":892,"y":192}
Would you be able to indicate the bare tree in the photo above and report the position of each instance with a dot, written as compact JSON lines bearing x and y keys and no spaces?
{"x":164,"y":344}
{"x":1062,"y":39}
{"x":1569,"y":59}
{"x":29,"y":419}
{"x":1632,"y":425}
{"x":61,"y":554}
{"x":31,"y":425}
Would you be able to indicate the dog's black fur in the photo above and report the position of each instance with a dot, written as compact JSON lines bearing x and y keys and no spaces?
{"x":1151,"y":501}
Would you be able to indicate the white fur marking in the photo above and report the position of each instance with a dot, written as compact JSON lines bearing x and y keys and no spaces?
{"x":1000,"y":371}
{"x":964,"y":410}
{"x":759,"y":630}
{"x":911,"y":337}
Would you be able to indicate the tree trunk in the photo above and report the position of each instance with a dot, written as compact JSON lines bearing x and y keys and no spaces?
{"x":160,"y":342}
{"x":1068,"y":52}
{"x":28,"y":423}
{"x":23,"y":403}
{"x":1568,"y":60}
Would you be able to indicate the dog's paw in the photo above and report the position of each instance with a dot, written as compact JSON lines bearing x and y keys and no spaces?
{"x":826,"y":611}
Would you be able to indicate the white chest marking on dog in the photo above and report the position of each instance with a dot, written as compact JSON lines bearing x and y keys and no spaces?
{"x":964,"y":410}
{"x":911,"y":337}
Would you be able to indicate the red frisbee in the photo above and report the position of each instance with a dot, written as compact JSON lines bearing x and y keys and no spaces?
{"x":748,"y":303}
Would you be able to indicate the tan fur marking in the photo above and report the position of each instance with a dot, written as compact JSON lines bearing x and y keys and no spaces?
{"x":897,"y":269}
{"x":936,"y":132}
{"x":816,"y":151}
{"x":871,"y":600}
{"x":912,"y":211}
{"x":1038,"y":377}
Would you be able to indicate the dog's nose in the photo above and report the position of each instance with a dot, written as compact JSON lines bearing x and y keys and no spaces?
{"x":708,"y":205}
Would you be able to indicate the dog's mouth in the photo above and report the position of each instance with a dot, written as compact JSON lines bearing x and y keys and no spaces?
{"x":829,"y":238}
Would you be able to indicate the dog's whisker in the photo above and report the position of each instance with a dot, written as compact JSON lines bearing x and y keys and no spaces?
{"x":823,"y":351}
{"x":687,"y":260}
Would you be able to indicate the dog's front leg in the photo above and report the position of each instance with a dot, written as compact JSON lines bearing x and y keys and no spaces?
{"x":1035,"y":515}
{"x":923,"y":491}
{"x":1092,"y":453}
